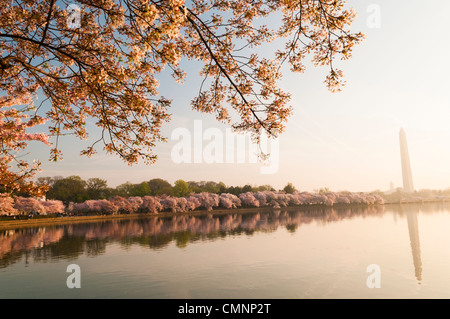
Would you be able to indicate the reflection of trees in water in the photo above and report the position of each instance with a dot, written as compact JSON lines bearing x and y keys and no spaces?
{"x":70,"y":241}
{"x":14,"y":242}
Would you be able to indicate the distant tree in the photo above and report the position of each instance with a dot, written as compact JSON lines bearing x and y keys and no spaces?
{"x":265,"y":188}
{"x":227,"y":200}
{"x":211,"y":187}
{"x":208,"y":200}
{"x":125,"y":189}
{"x":69,"y":189}
{"x":248,"y":199}
{"x":97,"y":188}
{"x":53,"y":206}
{"x":124,"y":206}
{"x":43,"y":183}
{"x":194,"y":187}
{"x":141,"y":189}
{"x":222,"y":188}
{"x":160,"y":186}
{"x":29,"y":205}
{"x":151,"y":205}
{"x":324,"y":190}
{"x":235,"y":190}
{"x":47,"y":180}
{"x":7,"y":205}
{"x":247,"y":188}
{"x":180,"y":188}
{"x":289,"y":188}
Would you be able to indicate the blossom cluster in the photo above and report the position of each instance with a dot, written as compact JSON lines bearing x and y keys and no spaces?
{"x":106,"y":60}
{"x":30,"y":205}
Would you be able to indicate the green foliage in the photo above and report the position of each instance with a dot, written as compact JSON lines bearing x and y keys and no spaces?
{"x":210,"y":187}
{"x":160,"y":186}
{"x":265,"y":188}
{"x":142,"y":189}
{"x":235,"y":190}
{"x":97,"y":188}
{"x":181,"y":189}
{"x":324,"y":190}
{"x":69,"y":189}
{"x":75,"y":189}
{"x":124,"y":189}
{"x":289,"y":188}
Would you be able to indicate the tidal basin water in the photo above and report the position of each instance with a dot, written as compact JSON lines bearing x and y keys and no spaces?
{"x":307,"y":253}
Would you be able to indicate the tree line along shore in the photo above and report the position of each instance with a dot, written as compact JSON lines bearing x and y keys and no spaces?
{"x":203,"y":201}
{"x":73,"y":196}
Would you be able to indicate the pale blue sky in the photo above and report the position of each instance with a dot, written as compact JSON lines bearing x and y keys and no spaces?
{"x":398,"y":77}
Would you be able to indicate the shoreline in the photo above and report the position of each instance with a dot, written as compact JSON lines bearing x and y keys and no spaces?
{"x":54,"y":221}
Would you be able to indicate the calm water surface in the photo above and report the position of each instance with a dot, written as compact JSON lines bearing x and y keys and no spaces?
{"x":317,"y":253}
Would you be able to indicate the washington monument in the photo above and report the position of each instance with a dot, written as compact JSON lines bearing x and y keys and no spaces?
{"x":406,"y":166}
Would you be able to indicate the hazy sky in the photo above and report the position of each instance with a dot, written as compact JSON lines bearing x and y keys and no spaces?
{"x":398,"y":77}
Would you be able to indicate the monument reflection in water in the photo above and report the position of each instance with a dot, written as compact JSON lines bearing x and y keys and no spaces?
{"x":413,"y":228}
